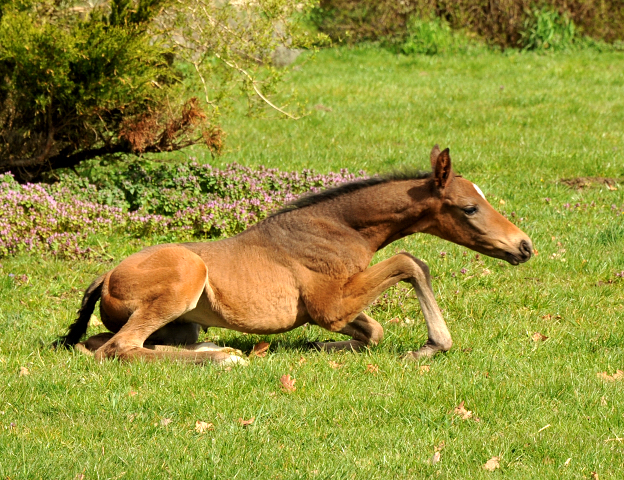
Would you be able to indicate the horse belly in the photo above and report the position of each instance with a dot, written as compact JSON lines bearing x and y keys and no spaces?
{"x":261,"y":307}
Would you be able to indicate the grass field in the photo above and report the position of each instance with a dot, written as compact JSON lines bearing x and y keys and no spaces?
{"x":516,"y":126}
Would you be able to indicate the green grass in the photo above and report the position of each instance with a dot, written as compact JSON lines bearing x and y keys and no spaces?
{"x":538,"y":403}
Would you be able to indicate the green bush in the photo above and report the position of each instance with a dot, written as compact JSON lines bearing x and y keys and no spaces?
{"x":77,"y":85}
{"x":546,"y":29}
{"x":432,"y":37}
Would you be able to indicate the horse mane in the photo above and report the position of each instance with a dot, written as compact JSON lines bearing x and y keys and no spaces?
{"x":316,"y":198}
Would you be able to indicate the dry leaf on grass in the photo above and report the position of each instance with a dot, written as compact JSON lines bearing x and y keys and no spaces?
{"x":462,"y":412}
{"x":288,"y":383}
{"x":395,"y":320}
{"x":611,"y":378}
{"x":595,"y":476}
{"x":492,"y":464}
{"x":335,"y":365}
{"x":424,"y":369}
{"x":260,"y":350}
{"x":202,"y":427}
{"x":302,"y":360}
{"x":603,"y":401}
{"x":23,"y":372}
{"x":371,"y":368}
{"x":246,"y":423}
{"x":132,"y":393}
{"x":538,"y":337}
{"x":165,"y":421}
{"x":435,"y":458}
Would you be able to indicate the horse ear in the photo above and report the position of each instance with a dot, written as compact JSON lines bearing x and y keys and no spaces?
{"x":434,"y":156}
{"x":442,"y":171}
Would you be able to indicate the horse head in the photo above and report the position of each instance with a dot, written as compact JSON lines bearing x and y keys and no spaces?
{"x":464,"y":216}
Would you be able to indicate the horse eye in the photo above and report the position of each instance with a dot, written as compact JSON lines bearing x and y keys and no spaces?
{"x":470,"y":210}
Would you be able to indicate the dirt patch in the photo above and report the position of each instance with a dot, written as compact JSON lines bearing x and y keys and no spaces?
{"x":587,"y":182}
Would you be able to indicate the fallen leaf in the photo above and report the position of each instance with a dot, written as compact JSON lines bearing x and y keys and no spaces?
{"x":538,"y":337}
{"x":492,"y":464}
{"x":302,"y":360}
{"x":260,"y":350}
{"x":132,"y":393}
{"x":371,"y":368}
{"x":335,"y":365}
{"x":165,"y":421}
{"x":23,"y":372}
{"x":440,"y":446}
{"x":395,"y":320}
{"x":462,"y":412}
{"x":288,"y":384}
{"x":567,"y":462}
{"x":611,"y":378}
{"x":424,"y":369}
{"x":502,"y":202}
{"x":202,"y":427}
{"x":246,"y":423}
{"x":595,"y":476}
{"x":435,"y":458}
{"x":603,"y":401}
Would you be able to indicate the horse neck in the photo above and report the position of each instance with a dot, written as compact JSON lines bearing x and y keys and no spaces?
{"x":386,"y":212}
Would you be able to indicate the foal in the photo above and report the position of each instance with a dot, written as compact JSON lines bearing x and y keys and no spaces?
{"x":308,"y":263}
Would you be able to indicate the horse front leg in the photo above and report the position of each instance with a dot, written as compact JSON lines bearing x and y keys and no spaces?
{"x":364,"y":331}
{"x":363,"y":288}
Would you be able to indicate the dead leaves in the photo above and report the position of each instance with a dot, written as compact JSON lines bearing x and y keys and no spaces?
{"x":287,"y":384}
{"x":462,"y":412}
{"x":165,"y":421}
{"x":335,"y":365}
{"x":538,"y":337}
{"x":422,"y":369}
{"x":24,"y":372}
{"x":203,"y":427}
{"x":246,"y":423}
{"x":437,"y":453}
{"x":371,"y":368}
{"x":260,"y":350}
{"x":619,"y":375}
{"x":492,"y":464}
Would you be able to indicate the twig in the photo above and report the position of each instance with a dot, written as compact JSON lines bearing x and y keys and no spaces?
{"x":255,"y":87}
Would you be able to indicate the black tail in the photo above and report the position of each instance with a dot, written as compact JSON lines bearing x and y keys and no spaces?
{"x":79,"y":327}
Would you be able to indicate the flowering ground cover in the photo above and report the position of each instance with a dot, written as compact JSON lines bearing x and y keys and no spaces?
{"x":183,"y":201}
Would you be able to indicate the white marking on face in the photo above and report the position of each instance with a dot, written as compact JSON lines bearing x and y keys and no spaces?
{"x":479,"y":191}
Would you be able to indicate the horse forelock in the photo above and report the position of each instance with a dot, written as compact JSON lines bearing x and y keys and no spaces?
{"x":349,"y":187}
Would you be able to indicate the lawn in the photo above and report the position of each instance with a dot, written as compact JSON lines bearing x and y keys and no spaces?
{"x":537,"y":347}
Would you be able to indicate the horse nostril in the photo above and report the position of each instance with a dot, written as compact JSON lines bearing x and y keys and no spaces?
{"x":525,"y":249}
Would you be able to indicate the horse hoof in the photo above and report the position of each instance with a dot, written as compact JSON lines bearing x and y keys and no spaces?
{"x":424,"y":352}
{"x":234,"y":360}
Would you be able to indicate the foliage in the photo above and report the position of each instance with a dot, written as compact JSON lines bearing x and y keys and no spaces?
{"x":112,"y":77}
{"x":433,"y":37}
{"x":546,"y":29}
{"x":172,"y":202}
{"x":499,"y":22}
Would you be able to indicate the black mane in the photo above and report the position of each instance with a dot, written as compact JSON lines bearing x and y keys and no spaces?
{"x":316,"y":198}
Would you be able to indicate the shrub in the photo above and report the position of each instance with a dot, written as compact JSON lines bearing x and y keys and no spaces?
{"x":81,"y":81}
{"x":499,"y":22}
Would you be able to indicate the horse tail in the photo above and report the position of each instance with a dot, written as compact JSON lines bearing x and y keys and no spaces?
{"x":79,"y":327}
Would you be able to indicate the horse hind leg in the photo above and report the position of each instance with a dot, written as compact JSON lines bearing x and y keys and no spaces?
{"x":364,"y":331}
{"x":160,"y":303}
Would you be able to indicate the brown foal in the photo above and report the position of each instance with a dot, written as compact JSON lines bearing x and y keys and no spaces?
{"x":308,"y":263}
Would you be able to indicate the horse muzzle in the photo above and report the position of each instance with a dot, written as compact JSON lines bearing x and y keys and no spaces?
{"x":522,"y":254}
